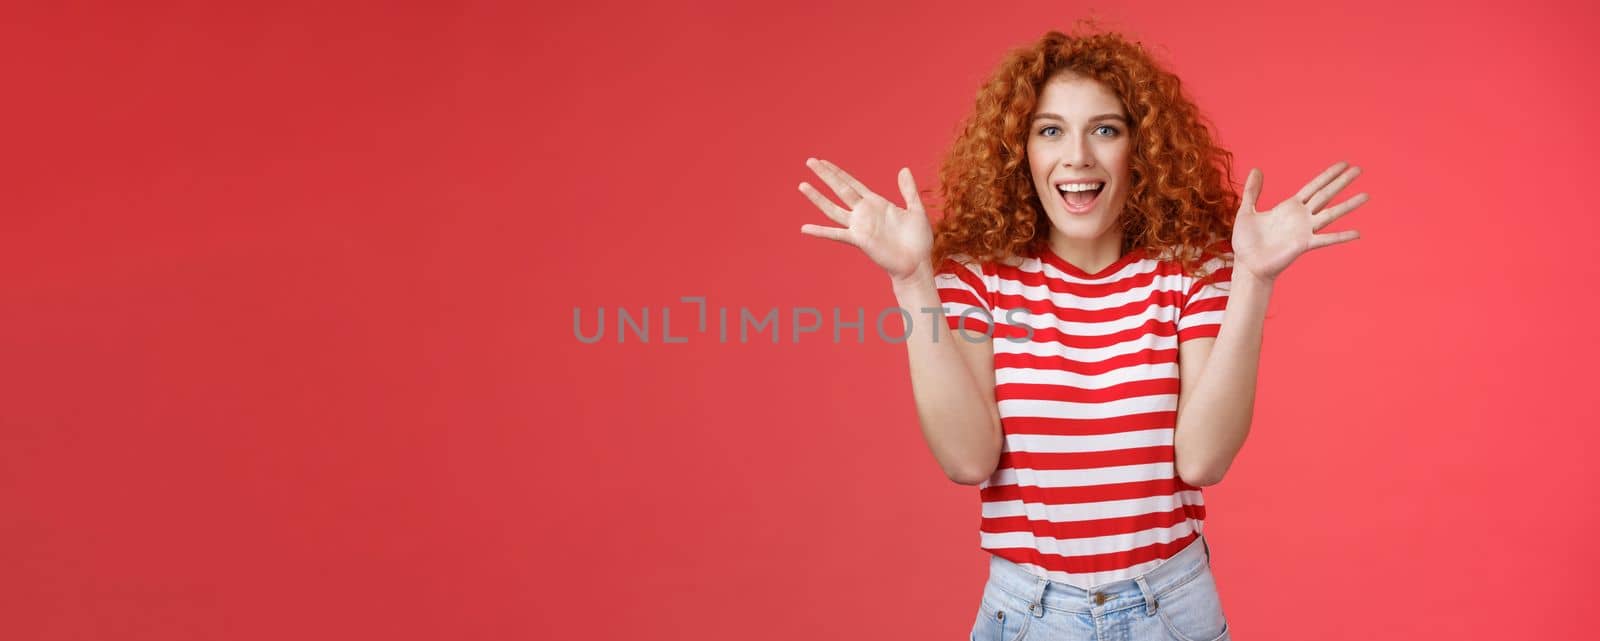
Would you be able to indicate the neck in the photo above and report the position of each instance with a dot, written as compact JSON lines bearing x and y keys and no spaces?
{"x":1088,"y":255}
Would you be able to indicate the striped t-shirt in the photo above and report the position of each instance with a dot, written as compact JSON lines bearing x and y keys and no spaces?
{"x":1086,"y":491}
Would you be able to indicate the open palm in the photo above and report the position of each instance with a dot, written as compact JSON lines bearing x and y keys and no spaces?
{"x":1265,"y":243}
{"x":898,"y":239}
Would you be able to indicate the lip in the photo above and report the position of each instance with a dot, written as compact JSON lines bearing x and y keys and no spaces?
{"x":1086,"y":208}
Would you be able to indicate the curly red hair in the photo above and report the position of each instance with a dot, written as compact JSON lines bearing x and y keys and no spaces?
{"x":1181,"y":204}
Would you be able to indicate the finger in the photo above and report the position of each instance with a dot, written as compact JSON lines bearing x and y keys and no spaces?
{"x":837,"y":184}
{"x":854,"y":184}
{"x":1323,"y":178}
{"x":1326,"y":217}
{"x":1252,"y":189}
{"x":1332,"y":189}
{"x":832,"y":211}
{"x":830,"y":233}
{"x":1324,"y":240}
{"x":908,"y":189}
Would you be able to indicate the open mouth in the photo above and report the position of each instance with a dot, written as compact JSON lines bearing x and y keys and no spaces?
{"x":1077,"y":199}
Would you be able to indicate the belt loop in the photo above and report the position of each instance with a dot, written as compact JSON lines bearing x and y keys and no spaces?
{"x":1149,"y":596}
{"x":1036,"y":607}
{"x":1207,"y":545}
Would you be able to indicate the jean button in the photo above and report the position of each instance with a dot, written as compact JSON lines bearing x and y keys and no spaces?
{"x":1099,"y":598}
{"x":1001,"y":616}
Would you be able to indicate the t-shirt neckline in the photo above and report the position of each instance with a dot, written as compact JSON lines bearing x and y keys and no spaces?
{"x":1055,"y":260}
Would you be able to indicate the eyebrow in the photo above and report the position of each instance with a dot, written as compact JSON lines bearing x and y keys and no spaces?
{"x":1117,"y":117}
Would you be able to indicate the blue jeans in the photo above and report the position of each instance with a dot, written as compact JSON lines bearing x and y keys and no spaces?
{"x":1176,"y":601}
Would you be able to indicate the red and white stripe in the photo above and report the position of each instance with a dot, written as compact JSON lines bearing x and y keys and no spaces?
{"x":1086,"y":491}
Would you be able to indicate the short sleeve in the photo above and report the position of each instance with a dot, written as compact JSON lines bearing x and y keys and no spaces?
{"x":965,"y":292}
{"x":1204,"y":301}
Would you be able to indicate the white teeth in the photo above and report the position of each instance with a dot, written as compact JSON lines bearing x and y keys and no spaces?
{"x":1080,"y":186}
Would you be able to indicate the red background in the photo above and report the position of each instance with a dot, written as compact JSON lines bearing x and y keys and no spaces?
{"x":288,"y":291}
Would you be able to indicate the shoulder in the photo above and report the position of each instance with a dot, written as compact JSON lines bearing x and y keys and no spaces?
{"x":987,"y":268}
{"x":1213,"y":263}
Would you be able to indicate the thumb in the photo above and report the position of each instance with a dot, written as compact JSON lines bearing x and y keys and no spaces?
{"x":1252,"y":190}
{"x":908,"y":189}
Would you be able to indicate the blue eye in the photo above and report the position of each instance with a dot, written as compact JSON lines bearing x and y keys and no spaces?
{"x":1046,"y":131}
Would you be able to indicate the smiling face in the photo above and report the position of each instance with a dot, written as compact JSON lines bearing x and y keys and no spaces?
{"x":1080,"y":137}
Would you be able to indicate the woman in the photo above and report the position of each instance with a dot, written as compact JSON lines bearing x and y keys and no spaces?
{"x":1103,"y":287}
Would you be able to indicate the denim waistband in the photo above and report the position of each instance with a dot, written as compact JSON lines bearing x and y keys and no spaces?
{"x":1109,"y":597}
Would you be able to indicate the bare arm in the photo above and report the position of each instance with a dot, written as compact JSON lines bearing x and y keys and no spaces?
{"x":1219,"y":378}
{"x":952,"y":378}
{"x":1219,"y":386}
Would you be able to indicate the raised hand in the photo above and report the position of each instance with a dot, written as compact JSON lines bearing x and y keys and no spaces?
{"x":898,"y":239}
{"x":1264,"y":244}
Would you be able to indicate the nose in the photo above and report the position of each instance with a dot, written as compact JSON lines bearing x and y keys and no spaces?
{"x":1075,"y":153}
